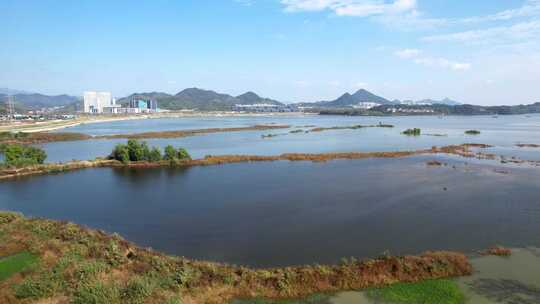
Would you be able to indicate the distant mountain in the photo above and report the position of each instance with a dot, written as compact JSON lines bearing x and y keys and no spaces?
{"x":203,"y":100}
{"x":8,"y":91}
{"x":446,"y":101}
{"x":349,"y":100}
{"x":252,"y":98}
{"x":36,"y":101}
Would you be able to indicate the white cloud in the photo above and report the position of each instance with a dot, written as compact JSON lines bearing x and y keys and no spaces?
{"x":361,"y":8}
{"x":499,"y":34}
{"x":529,"y":9}
{"x":443,"y":63}
{"x":407,"y":53}
{"x":360,"y":85}
{"x":245,"y":2}
{"x":404,"y":14}
{"x":414,"y":54}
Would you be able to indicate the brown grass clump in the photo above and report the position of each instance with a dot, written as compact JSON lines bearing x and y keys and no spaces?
{"x":498,"y":251}
{"x":41,"y":137}
{"x":78,"y":264}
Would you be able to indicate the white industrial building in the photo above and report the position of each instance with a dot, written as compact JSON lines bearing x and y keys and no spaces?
{"x":98,"y":102}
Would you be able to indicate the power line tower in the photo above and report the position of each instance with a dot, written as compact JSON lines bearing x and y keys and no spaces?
{"x":10,"y":107}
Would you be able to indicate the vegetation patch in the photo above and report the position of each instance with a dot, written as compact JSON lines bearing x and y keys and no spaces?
{"x":16,"y":263}
{"x":426,"y":292}
{"x":412,"y":132}
{"x":17,"y":155}
{"x":135,"y":151}
{"x":472,"y":132}
{"x":39,"y":137}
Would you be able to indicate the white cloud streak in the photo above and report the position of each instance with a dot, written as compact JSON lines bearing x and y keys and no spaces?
{"x":359,"y":8}
{"x":407,"y":53}
{"x":444,"y":63}
{"x":500,"y":34}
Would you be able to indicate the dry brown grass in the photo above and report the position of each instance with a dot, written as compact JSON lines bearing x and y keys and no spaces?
{"x":498,"y":251}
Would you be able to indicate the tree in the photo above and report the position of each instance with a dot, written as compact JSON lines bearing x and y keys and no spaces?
{"x":155,"y":155}
{"x":170,"y":153}
{"x":183,"y":154}
{"x":136,"y":150}
{"x":120,"y":153}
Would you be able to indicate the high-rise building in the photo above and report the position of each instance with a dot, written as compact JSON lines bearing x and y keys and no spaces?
{"x":94,"y":102}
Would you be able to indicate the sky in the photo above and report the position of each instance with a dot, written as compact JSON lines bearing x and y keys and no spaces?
{"x":483,"y":52}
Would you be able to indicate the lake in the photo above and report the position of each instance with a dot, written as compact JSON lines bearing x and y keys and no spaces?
{"x":289,"y":213}
{"x":503,"y":132}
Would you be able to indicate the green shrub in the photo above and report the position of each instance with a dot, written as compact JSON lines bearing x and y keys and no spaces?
{"x":35,"y":288}
{"x":472,"y":132}
{"x":412,"y":132}
{"x":97,"y":293}
{"x":137,"y":290}
{"x":174,"y":300}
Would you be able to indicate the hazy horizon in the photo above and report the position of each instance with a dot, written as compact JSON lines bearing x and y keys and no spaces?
{"x":484,"y":53}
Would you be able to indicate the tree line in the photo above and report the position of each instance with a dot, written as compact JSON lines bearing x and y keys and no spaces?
{"x":136,"y":151}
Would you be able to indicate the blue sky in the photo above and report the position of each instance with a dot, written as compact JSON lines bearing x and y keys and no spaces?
{"x":481,"y":52}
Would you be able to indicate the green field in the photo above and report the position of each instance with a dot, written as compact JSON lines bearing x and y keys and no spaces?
{"x":16,"y":263}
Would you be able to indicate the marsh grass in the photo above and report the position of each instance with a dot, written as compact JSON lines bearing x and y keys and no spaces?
{"x":443,"y":291}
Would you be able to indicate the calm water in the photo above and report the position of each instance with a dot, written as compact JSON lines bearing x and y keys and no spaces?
{"x":286,"y":213}
{"x":504,"y":132}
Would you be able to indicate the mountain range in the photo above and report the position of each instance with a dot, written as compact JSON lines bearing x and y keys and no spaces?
{"x":202,"y":100}
{"x":208,"y":100}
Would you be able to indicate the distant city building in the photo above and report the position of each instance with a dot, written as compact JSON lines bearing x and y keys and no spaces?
{"x":264,"y":107}
{"x":364,"y":105}
{"x":95,"y":102}
{"x":143,"y":104}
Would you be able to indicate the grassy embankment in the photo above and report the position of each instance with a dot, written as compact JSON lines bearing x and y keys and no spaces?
{"x":45,"y":137}
{"x":460,"y":150}
{"x":79,"y":265}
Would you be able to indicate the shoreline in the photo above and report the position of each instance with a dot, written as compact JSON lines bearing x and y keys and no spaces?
{"x":463,"y":150}
{"x":69,"y":247}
